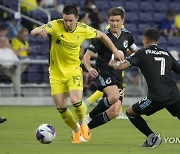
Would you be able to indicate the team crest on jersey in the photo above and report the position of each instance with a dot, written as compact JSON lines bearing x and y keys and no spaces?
{"x":108,"y":81}
{"x":125,"y":44}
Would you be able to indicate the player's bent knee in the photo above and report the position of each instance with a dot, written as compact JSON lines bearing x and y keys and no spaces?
{"x":112,"y":113}
{"x":131,"y":112}
{"x":113,"y":99}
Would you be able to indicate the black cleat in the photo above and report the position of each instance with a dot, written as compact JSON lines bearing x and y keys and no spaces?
{"x":153,"y":140}
{"x":2,"y":119}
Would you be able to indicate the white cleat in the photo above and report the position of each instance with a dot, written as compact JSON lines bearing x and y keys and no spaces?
{"x":122,"y":116}
{"x":87,"y":118}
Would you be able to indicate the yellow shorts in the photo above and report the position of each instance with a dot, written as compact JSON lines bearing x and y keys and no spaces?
{"x":72,"y":81}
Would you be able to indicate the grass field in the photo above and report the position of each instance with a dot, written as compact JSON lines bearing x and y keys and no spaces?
{"x":17,"y":135}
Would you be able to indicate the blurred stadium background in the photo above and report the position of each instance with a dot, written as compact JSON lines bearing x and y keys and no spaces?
{"x":33,"y":83}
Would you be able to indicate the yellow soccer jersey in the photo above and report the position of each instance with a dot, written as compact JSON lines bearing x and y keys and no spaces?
{"x":65,"y":46}
{"x":17,"y":44}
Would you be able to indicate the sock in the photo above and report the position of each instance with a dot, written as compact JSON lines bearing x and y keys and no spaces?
{"x":120,"y":110}
{"x":140,"y":124}
{"x":98,"y":120}
{"x":102,"y":106}
{"x":94,"y":97}
{"x":68,"y":117}
{"x":80,"y":109}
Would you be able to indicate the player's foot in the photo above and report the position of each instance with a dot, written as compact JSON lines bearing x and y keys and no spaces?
{"x":76,"y":137}
{"x":122,"y":115}
{"x":153,"y":140}
{"x":87,"y":118}
{"x":86,"y":133}
{"x":2,"y":119}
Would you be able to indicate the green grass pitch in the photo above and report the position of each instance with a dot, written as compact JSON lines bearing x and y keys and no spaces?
{"x":17,"y":135}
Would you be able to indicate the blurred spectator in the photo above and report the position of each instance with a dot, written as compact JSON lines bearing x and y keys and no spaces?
{"x":9,"y":67}
{"x":40,"y":3}
{"x":3,"y":30}
{"x":50,"y":4}
{"x":167,"y":24}
{"x":20,"y":44}
{"x":94,"y":13}
{"x":14,"y":25}
{"x":28,"y":5}
{"x":177,"y":23}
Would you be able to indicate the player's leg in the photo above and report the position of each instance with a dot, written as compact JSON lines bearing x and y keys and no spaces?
{"x":94,"y":97}
{"x":59,"y":92}
{"x":146,"y":107}
{"x":112,"y":96}
{"x":75,"y":85}
{"x":60,"y":101}
{"x":80,"y":109}
{"x":99,"y":115}
{"x":121,"y":115}
{"x":105,"y":116}
{"x":174,"y":109}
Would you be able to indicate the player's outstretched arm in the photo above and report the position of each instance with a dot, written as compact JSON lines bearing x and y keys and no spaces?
{"x":39,"y":31}
{"x":106,"y":40}
{"x":87,"y":63}
{"x":119,"y":65}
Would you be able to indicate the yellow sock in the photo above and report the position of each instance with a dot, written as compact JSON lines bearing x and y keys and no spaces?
{"x":95,"y":96}
{"x":68,"y":117}
{"x":80,"y":109}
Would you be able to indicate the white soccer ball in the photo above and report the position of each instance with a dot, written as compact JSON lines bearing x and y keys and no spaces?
{"x":114,"y":58}
{"x":45,"y":133}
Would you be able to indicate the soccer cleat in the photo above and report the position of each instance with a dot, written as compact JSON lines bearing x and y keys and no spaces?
{"x":2,"y":119}
{"x":86,"y":133}
{"x":153,"y":140}
{"x":76,"y":137}
{"x":122,"y":116}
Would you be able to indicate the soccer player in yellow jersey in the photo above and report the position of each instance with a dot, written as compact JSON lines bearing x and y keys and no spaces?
{"x":66,"y":36}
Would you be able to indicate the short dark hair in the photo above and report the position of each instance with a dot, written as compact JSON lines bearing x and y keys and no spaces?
{"x":69,"y":9}
{"x":117,"y":11}
{"x":152,"y":34}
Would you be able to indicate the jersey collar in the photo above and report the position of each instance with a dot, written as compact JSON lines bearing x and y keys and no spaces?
{"x":70,"y":31}
{"x":117,"y":37}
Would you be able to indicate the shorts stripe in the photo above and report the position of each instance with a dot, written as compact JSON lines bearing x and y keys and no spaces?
{"x":145,"y":104}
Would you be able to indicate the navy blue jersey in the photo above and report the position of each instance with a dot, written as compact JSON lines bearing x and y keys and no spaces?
{"x":157,"y":65}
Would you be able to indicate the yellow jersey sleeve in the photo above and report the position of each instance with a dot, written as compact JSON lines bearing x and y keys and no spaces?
{"x":50,"y":26}
{"x":90,"y":32}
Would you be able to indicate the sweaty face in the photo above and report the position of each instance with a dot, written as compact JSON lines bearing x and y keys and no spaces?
{"x":115,"y":23}
{"x":69,"y":22}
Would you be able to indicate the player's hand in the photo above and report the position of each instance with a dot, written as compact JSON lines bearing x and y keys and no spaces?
{"x":119,"y":55}
{"x":93,"y":72}
{"x":43,"y":33}
{"x":113,"y":63}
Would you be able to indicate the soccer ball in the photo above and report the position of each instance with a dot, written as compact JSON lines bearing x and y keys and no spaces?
{"x":45,"y":133}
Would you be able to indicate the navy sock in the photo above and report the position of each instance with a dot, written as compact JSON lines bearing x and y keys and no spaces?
{"x":98,"y":120}
{"x":140,"y":124}
{"x":102,"y":106}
